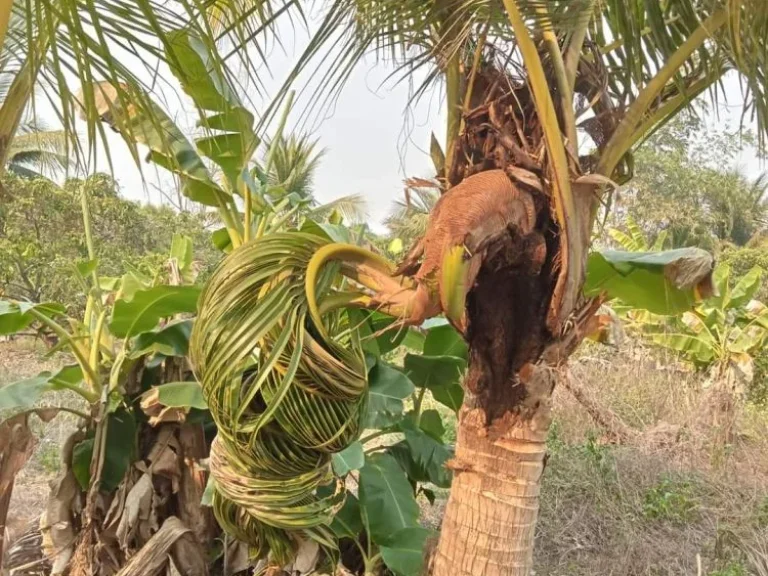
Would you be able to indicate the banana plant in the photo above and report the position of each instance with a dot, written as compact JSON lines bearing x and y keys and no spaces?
{"x":129,"y":348}
{"x":617,"y":314}
{"x":635,"y":239}
{"x":45,"y":45}
{"x":131,"y":341}
{"x":722,"y":334}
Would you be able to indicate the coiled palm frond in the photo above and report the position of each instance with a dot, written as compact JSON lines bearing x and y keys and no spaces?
{"x":285,"y":379}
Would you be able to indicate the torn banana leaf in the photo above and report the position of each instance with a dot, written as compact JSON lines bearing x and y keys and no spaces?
{"x":666,"y":282}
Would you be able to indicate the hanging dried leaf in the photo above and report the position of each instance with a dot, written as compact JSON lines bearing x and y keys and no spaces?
{"x":136,"y":518}
{"x":56,"y":522}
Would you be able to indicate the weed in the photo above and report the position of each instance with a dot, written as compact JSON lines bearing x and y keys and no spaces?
{"x":732,"y":569}
{"x":671,"y":501}
{"x":595,"y":451}
{"x":761,"y":514}
{"x":555,"y":441}
{"x":449,"y":424}
{"x":48,"y":456}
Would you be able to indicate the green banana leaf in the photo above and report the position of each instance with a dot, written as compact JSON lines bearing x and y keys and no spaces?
{"x":667,"y":282}
{"x":15,"y":316}
{"x":695,"y":349}
{"x":147,"y":307}
{"x":25,"y":394}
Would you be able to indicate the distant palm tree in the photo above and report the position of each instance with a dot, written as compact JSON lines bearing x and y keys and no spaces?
{"x":409,"y":217}
{"x":37,"y":151}
{"x":292,"y":171}
{"x":740,"y":212}
{"x":34,"y":149}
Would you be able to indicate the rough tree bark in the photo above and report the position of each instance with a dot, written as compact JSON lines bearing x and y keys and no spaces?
{"x":490,"y":519}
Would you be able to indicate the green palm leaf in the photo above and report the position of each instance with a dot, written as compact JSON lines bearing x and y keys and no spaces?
{"x":285,"y":393}
{"x":38,"y":151}
{"x":352,"y":208}
{"x":124,"y":43}
{"x":294,"y":162}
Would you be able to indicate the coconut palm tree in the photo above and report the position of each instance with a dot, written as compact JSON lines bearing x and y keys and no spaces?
{"x":294,"y":161}
{"x":36,"y":150}
{"x":525,"y":81}
{"x":409,"y":218}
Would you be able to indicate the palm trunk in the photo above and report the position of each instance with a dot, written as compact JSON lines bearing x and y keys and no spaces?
{"x":491,"y":516}
{"x":520,"y":334}
{"x":490,"y":520}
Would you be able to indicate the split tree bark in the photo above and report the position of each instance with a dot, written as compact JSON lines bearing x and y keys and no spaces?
{"x":490,"y":519}
{"x":519,"y":339}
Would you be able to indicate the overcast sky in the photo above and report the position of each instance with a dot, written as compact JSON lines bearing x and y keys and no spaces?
{"x":373,"y":139}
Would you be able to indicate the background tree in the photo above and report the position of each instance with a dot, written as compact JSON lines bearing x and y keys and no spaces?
{"x":37,"y":150}
{"x":687,"y":183}
{"x":294,"y":162}
{"x":39,"y":246}
{"x":409,"y":217}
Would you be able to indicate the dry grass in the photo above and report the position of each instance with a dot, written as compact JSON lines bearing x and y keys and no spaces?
{"x":23,"y":358}
{"x":649,"y":509}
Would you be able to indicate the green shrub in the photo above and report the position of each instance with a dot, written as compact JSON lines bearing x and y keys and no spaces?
{"x":48,"y":457}
{"x":670,"y":500}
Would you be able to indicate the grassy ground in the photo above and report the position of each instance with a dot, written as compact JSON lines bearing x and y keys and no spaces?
{"x":675,"y":502}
